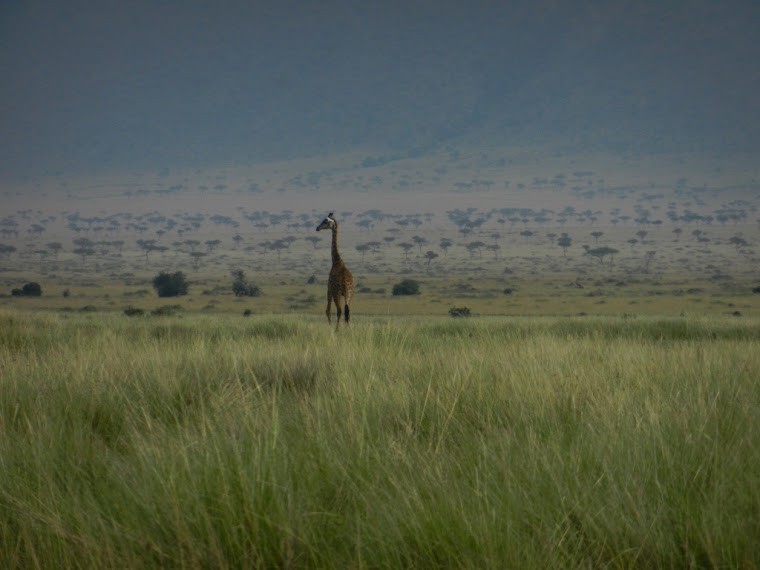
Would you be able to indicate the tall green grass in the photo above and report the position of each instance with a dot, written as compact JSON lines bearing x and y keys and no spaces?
{"x":271,"y":442}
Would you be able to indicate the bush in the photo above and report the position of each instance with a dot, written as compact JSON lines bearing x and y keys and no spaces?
{"x":166,"y":311}
{"x":406,"y":287}
{"x":31,"y":289}
{"x":459,"y":311}
{"x":133,"y":312}
{"x":242,"y":288}
{"x":170,"y":284}
{"x":756,"y":289}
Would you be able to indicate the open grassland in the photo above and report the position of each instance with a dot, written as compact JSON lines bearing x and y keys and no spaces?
{"x":219,"y":441}
{"x":501,"y":231}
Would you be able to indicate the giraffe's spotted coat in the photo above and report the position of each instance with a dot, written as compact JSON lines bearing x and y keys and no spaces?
{"x":340,"y":283}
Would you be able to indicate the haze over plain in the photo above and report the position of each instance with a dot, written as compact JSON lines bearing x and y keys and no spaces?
{"x":190,"y":120}
{"x":97,"y":87}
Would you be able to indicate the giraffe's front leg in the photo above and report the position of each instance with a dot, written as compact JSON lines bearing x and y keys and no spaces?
{"x":329,"y":307}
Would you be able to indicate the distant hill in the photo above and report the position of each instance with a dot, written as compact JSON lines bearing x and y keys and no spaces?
{"x":152,"y":86}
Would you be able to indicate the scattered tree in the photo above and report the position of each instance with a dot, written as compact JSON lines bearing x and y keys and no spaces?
{"x":601,"y":252}
{"x":31,"y":289}
{"x":648,"y":257}
{"x":241,"y":287}
{"x":430,"y":256}
{"x":406,"y":287}
{"x":564,"y":242}
{"x":170,"y":284}
{"x":406,"y":246}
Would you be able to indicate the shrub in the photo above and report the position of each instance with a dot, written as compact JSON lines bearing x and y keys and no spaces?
{"x":166,"y":310}
{"x":242,"y":288}
{"x":170,"y":284}
{"x":406,"y":287}
{"x":133,"y":312}
{"x":459,"y":311}
{"x":31,"y":289}
{"x":756,"y":289}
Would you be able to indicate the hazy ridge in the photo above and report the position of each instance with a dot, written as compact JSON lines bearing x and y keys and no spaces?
{"x":147,"y":87}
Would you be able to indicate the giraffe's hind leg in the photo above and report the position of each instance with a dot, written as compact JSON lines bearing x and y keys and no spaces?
{"x":329,"y":307}
{"x":347,"y":298}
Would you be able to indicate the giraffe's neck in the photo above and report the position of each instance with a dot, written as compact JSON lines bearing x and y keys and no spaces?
{"x":336,"y":260}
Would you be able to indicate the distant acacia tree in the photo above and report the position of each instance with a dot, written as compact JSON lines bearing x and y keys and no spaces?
{"x":197,"y":256}
{"x":475,"y":246}
{"x":84,"y":252}
{"x":406,"y":246}
{"x":738,"y":242}
{"x":419,"y":242}
{"x":313,"y":240}
{"x":601,"y":252}
{"x":430,"y":256}
{"x":363,"y":248}
{"x":564,"y":242}
{"x":365,"y":223}
{"x":149,"y":246}
{"x":648,"y":257}
{"x":55,"y":247}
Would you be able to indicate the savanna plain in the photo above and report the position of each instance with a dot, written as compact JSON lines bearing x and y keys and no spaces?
{"x":573,"y":385}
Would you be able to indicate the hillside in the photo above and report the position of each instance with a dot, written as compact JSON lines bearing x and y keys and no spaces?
{"x":141,"y":86}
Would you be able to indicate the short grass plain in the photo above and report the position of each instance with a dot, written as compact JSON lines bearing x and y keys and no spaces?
{"x":491,"y":442}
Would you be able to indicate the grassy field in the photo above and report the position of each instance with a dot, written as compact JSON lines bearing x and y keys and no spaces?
{"x":491,"y":442}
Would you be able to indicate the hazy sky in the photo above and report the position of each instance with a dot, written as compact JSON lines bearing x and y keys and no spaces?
{"x":99,"y":85}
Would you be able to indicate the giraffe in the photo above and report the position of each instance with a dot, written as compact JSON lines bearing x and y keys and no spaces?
{"x":341,"y":282}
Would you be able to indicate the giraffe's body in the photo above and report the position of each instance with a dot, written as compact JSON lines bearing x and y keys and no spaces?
{"x":340,"y":283}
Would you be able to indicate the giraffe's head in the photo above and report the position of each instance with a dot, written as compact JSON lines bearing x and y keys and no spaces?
{"x":328,"y":223}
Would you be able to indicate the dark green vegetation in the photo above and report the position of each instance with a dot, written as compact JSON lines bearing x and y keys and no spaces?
{"x":170,"y":284}
{"x":270,"y":442}
{"x":31,"y":289}
{"x":406,"y":287}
